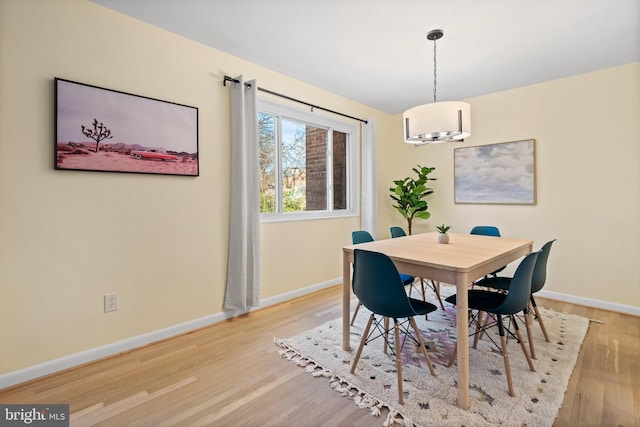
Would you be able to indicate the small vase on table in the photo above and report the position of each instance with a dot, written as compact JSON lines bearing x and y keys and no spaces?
{"x":443,"y":237}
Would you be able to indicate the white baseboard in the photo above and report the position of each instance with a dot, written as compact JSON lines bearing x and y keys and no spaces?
{"x":590,"y":302}
{"x":50,"y":367}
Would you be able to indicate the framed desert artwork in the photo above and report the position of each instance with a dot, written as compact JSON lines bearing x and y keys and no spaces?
{"x":98,"y":129}
{"x":503,"y":173}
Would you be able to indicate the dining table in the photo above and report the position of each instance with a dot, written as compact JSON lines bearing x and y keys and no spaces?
{"x":460,"y":262}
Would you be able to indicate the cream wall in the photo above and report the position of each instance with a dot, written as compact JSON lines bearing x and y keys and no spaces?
{"x":587,"y":132}
{"x":67,"y":238}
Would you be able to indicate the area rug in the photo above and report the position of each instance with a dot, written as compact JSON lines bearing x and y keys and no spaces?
{"x":431,"y":401}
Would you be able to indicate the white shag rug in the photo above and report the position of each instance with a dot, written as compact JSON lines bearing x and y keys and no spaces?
{"x":431,"y":401}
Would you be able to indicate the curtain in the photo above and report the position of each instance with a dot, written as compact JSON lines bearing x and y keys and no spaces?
{"x":369,"y":196}
{"x":243,"y":265}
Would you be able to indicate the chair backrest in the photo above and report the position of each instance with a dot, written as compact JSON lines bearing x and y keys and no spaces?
{"x":540,"y":270}
{"x":377,"y":284}
{"x":397,"y":232}
{"x":361,"y":236}
{"x":520,"y":287}
{"x":485,"y":230}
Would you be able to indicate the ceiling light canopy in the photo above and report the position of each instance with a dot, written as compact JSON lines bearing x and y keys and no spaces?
{"x":438,"y":121}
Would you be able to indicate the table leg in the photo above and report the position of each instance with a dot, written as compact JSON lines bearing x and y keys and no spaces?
{"x":462,"y":337}
{"x":346,"y":301}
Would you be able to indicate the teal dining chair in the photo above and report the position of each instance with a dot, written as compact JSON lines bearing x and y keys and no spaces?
{"x":537,"y":283}
{"x":488,"y":230}
{"x":397,"y":232}
{"x":363,"y":236}
{"x":435,"y":286}
{"x":503,"y":306}
{"x":485,"y":230}
{"x":378,"y":286}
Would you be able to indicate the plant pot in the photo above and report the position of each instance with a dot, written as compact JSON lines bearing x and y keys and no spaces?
{"x":443,"y":238}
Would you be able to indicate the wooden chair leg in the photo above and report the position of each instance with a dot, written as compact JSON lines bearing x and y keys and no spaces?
{"x":454,"y":353}
{"x":398,"y":361}
{"x":476,"y":336}
{"x":355,"y":313}
{"x":423,"y":348}
{"x":527,"y":322}
{"x":362,"y":341}
{"x":535,"y":308}
{"x":505,"y":356}
{"x":436,"y":289}
{"x":522,"y":345}
{"x":386,"y":334}
{"x":479,"y":336}
{"x":424,"y":295}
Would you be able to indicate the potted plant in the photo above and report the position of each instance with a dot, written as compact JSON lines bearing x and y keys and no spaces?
{"x":443,"y":237}
{"x":409,"y":195}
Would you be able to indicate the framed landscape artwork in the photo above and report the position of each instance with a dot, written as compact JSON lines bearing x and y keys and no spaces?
{"x":501,"y":173}
{"x":105,"y":130}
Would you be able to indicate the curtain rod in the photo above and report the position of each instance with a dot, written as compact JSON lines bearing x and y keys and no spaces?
{"x":230,"y":79}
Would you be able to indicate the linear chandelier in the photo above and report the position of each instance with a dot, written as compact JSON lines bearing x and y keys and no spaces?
{"x":437,"y":121}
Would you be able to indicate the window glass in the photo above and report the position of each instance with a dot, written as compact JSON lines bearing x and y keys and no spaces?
{"x":267,"y":161}
{"x":339,"y":170}
{"x":307,"y":166}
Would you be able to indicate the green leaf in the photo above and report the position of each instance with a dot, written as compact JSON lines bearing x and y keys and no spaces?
{"x":409,"y":194}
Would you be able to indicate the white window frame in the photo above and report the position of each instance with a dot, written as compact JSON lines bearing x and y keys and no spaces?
{"x":353,"y":165}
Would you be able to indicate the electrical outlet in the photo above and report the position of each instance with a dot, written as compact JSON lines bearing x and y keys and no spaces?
{"x":110,"y":302}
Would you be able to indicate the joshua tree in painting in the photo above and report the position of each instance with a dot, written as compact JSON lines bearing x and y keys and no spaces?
{"x":99,"y":132}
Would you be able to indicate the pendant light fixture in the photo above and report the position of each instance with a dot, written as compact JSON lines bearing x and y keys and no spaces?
{"x":438,"y":121}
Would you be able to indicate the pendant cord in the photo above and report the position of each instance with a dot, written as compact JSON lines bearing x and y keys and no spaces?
{"x":435,"y":78}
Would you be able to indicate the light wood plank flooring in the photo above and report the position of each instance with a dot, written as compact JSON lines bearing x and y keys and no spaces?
{"x":230,"y":374}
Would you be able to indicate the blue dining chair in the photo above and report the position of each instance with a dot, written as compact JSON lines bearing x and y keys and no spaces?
{"x":485,"y":230}
{"x":363,"y":236}
{"x":503,"y":305}
{"x":537,"y":283}
{"x":488,"y":230}
{"x":397,"y":231}
{"x":378,"y":286}
{"x":435,"y":286}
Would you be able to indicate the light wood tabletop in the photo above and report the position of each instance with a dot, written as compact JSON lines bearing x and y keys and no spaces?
{"x":464,"y":259}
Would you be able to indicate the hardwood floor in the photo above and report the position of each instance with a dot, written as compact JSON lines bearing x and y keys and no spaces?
{"x":230,"y":374}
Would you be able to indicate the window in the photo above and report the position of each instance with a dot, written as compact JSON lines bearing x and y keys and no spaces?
{"x":308,"y":164}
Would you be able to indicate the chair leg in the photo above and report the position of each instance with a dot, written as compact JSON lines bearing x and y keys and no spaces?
{"x":479,"y":336}
{"x":424,"y":295}
{"x":355,"y":313}
{"x":535,"y":308}
{"x":362,"y":341}
{"x":454,"y":353}
{"x":398,"y":361}
{"x":436,"y":289}
{"x":476,"y":336}
{"x":423,"y":348}
{"x":522,"y":345}
{"x":505,"y":356}
{"x":527,"y":323}
{"x":386,"y":334}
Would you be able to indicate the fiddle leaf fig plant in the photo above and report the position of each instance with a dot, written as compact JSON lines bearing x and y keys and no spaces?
{"x":409,"y":195}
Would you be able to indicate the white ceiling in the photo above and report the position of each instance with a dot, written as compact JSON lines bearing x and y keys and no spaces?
{"x":376,"y":52}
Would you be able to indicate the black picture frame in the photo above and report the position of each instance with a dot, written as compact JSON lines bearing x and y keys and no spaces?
{"x":106,"y":130}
